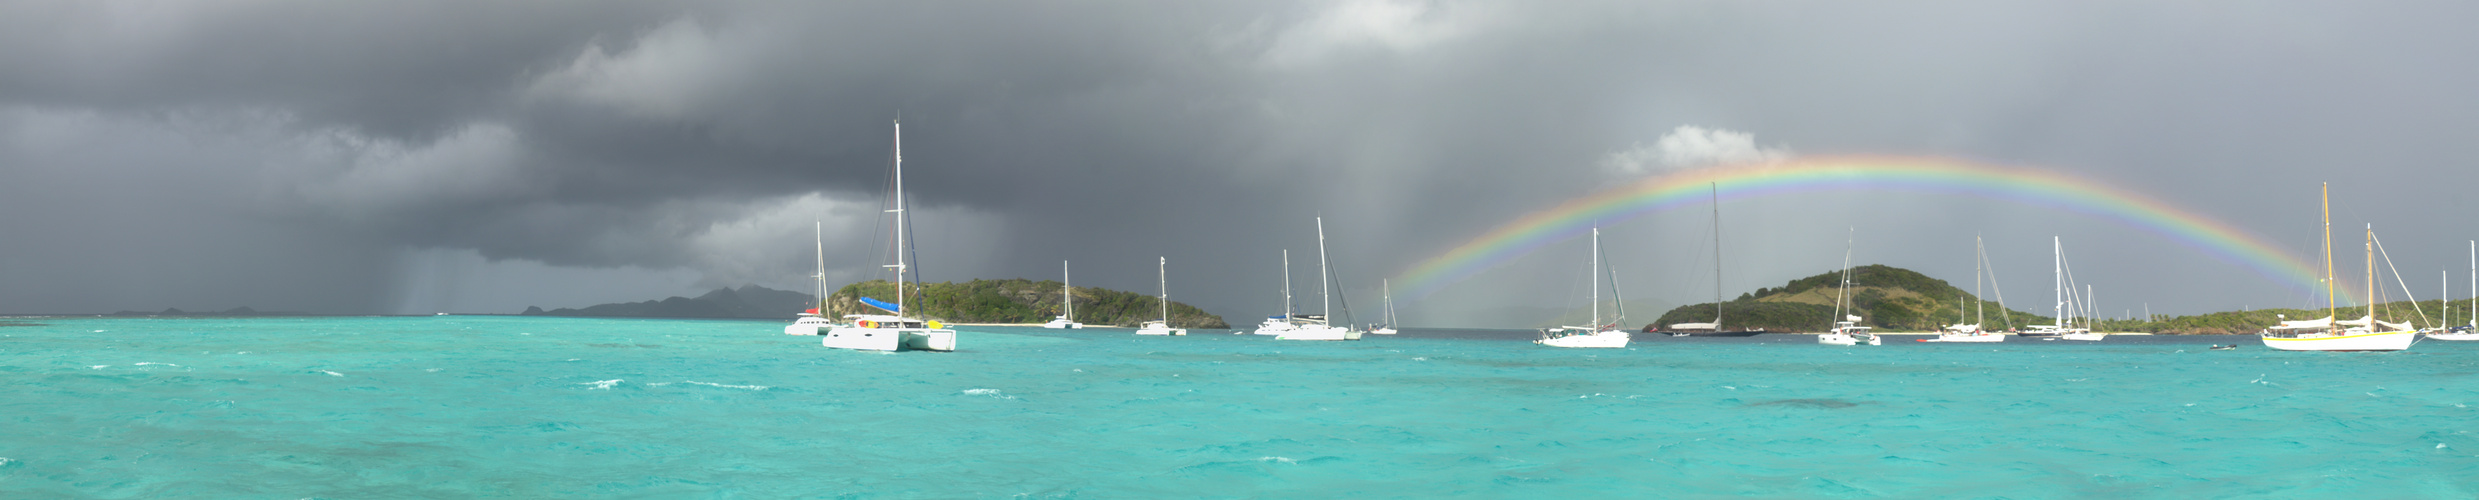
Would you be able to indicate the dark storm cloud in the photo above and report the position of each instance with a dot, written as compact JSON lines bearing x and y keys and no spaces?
{"x":703,"y":136}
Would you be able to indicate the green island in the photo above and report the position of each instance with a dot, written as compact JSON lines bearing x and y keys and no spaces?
{"x":1896,"y":299}
{"x":1018,"y":301}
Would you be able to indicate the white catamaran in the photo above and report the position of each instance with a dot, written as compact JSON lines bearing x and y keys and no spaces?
{"x":1596,"y":334}
{"x":1067,"y":300}
{"x":2363,"y":334}
{"x":2468,"y":331}
{"x":1276,"y":325}
{"x":1846,"y":329}
{"x":1163,"y":326}
{"x":814,"y":322}
{"x":895,"y":330}
{"x":1318,"y":327}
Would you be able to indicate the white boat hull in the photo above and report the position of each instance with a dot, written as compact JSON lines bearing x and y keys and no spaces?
{"x":2380,"y":341}
{"x":1160,"y":328}
{"x":1275,"y":328}
{"x":808,"y":325}
{"x":2084,"y":336}
{"x":2453,"y":336}
{"x":1609,"y":339}
{"x":1067,"y":325}
{"x":1319,"y":332}
{"x":1846,"y":339}
{"x":1382,"y":331}
{"x":890,"y":339}
{"x":1968,"y":337}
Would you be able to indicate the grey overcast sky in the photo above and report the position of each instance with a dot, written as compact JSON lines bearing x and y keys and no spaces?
{"x":483,"y":156}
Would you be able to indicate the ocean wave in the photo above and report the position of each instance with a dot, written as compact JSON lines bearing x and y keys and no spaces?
{"x":602,"y":384}
{"x":331,"y":373}
{"x":729,"y":386}
{"x":988,"y":392}
{"x":144,"y":363}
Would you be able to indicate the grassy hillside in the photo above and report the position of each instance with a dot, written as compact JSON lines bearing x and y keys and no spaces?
{"x":1020,"y":301}
{"x":1886,"y":297}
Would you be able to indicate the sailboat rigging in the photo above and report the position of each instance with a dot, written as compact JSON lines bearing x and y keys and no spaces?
{"x":1597,"y":334}
{"x":897,"y":329}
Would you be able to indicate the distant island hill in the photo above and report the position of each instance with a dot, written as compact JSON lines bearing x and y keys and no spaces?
{"x":1008,"y":301}
{"x":1895,"y":299}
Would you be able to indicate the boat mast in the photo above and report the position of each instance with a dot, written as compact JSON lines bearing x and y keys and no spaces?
{"x":1388,"y":287}
{"x":1717,"y":256}
{"x":1325,"y":278}
{"x":2332,"y":304}
{"x":2371,"y":276}
{"x":1978,"y":263}
{"x":1287,"y":285}
{"x":1162,"y":271}
{"x":899,"y":220}
{"x":1596,"y":280}
{"x":1067,"y":291}
{"x":819,"y":232}
{"x":2474,"y":282}
{"x":2057,"y":266}
{"x":1839,"y":293}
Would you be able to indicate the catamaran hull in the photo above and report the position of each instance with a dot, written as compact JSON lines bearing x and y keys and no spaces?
{"x":890,"y":339}
{"x":1749,"y":333}
{"x":1173,"y":331}
{"x":2091,"y":337}
{"x":1382,"y":331}
{"x":2453,"y":336}
{"x":1602,"y":340}
{"x":1059,"y":325}
{"x":1846,"y":339}
{"x":1985,"y":337}
{"x":2384,"y":341}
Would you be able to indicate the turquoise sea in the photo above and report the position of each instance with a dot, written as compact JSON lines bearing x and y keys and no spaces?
{"x":483,"y":406}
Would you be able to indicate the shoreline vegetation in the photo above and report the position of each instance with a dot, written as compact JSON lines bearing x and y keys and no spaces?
{"x":1893,"y":298}
{"x":1896,"y":301}
{"x":1019,"y":301}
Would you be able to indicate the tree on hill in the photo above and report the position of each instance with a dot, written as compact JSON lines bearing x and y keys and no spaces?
{"x":1019,"y":301}
{"x":1885,"y":296}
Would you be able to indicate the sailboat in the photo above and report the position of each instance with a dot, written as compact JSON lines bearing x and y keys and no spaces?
{"x":1163,"y":326}
{"x":814,"y":321}
{"x":2084,"y":332}
{"x":1276,"y":325}
{"x":2468,"y":331}
{"x":1846,"y":329}
{"x":2363,"y":334}
{"x":1386,"y":328}
{"x":1713,"y":329}
{"x":1597,"y":334}
{"x":1959,"y":332}
{"x":1067,"y":299}
{"x":893,"y":331}
{"x":1318,"y":327}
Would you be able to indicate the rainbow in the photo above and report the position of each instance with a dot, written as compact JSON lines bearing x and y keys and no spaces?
{"x":2042,"y":188}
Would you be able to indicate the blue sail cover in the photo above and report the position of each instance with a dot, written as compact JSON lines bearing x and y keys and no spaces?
{"x":891,"y":308}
